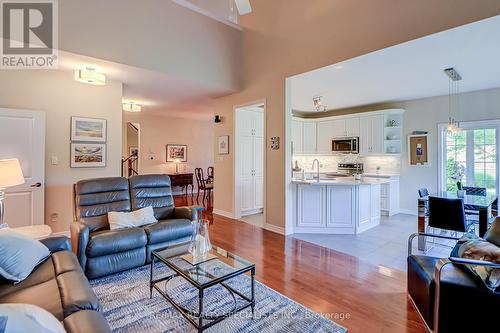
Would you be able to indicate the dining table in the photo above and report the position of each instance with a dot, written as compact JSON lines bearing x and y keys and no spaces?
{"x":480,"y":203}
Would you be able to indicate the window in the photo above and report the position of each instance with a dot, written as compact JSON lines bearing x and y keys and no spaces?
{"x":475,"y":149}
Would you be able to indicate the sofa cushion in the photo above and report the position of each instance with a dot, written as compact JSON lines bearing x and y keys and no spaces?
{"x":472,"y":247}
{"x":29,"y":318}
{"x":168,"y":230}
{"x":154,"y":191}
{"x":19,"y":255}
{"x":136,"y":218}
{"x":75,"y":293}
{"x":86,"y":321}
{"x":108,"y":242}
{"x":114,"y":263}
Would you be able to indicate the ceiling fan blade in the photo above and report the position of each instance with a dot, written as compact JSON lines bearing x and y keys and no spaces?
{"x":243,"y":6}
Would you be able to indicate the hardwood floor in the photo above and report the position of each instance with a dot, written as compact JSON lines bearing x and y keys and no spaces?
{"x":371,"y":298}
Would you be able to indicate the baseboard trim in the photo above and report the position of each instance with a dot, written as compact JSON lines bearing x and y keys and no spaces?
{"x":408,"y":211}
{"x":223,"y":213}
{"x":274,"y":228}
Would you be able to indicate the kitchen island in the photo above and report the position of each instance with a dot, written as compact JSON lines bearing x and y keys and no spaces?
{"x":337,"y":206}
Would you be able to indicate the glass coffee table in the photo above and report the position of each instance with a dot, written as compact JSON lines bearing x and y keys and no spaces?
{"x":217,"y":270}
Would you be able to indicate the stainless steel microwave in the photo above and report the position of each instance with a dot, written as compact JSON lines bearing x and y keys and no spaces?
{"x":346,"y":145}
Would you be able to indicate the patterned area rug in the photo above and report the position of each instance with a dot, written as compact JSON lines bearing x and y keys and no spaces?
{"x":128,"y":308}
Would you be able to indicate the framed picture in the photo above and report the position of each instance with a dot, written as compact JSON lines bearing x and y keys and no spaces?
{"x":133,"y":151}
{"x":88,"y":155}
{"x":88,"y":129}
{"x":176,"y":153}
{"x":223,"y":144}
{"x":418,"y":150}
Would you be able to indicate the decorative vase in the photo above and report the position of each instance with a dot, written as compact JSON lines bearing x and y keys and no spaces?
{"x":461,"y":193}
{"x":200,"y":241}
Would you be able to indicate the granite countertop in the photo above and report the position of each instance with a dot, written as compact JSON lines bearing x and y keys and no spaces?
{"x":343,"y":181}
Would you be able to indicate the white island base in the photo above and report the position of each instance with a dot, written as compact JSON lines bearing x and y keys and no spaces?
{"x":331,"y":207}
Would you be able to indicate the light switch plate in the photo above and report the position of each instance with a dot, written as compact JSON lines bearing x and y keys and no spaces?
{"x":55,"y":160}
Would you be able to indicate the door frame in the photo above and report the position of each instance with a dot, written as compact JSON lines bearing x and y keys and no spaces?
{"x":236,"y":166}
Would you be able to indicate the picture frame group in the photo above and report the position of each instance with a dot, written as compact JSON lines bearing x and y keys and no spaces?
{"x":88,"y":142}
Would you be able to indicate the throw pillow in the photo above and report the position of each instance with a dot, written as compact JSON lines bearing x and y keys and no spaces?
{"x":493,"y":233}
{"x":19,"y":255}
{"x":22,"y":318}
{"x":472,"y":247}
{"x":137,"y":218}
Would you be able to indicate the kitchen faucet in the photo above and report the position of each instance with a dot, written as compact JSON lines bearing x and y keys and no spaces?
{"x":317,"y":172}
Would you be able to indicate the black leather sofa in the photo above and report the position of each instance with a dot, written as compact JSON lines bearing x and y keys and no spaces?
{"x":102,"y":251}
{"x":59,"y":286}
{"x":448,"y":297}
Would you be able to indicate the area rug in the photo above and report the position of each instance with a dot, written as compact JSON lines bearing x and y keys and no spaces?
{"x":128,"y":307}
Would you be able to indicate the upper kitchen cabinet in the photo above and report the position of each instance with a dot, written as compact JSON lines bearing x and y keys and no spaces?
{"x":352,"y":127}
{"x":371,"y":134}
{"x":297,"y":136}
{"x":304,"y":136}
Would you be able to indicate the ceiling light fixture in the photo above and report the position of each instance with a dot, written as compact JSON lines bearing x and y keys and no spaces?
{"x":453,"y":99}
{"x":90,"y":76}
{"x":132,"y":107}
{"x":318,"y":104}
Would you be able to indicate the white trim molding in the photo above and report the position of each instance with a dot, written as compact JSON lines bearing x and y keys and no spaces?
{"x":199,"y":10}
{"x":274,"y":228}
{"x":223,"y":213}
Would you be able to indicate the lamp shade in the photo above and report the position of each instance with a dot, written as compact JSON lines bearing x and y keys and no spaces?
{"x":11,"y":173}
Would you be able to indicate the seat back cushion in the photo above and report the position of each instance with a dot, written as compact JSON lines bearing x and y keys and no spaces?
{"x":154,"y":191}
{"x":94,"y":198}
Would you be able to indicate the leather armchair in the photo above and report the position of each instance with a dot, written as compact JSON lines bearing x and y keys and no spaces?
{"x":102,"y":251}
{"x":447,"y":297}
{"x":57,"y":243}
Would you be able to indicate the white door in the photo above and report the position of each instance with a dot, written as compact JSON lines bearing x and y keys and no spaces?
{"x":258,"y":148}
{"x":22,"y":136}
{"x":309,"y":137}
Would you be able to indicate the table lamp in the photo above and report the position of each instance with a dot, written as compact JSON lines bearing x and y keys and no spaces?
{"x":177,"y":161}
{"x":11,"y":174}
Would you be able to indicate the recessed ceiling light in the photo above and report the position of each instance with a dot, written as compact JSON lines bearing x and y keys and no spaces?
{"x":90,"y":76}
{"x":339,"y":66}
{"x":132,"y":107}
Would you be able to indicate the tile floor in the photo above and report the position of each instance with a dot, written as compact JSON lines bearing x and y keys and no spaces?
{"x":384,"y":245}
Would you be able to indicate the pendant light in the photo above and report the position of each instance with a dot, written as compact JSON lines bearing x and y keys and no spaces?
{"x":453,"y":99}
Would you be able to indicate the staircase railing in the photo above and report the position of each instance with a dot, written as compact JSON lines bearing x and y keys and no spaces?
{"x":131,"y":165}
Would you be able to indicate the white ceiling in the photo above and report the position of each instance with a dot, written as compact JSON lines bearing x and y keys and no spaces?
{"x":158,"y":93}
{"x":407,"y":71}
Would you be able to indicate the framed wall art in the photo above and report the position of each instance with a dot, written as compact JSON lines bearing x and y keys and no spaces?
{"x":223,"y":145}
{"x":88,"y":129}
{"x":88,"y":155}
{"x":176,"y":153}
{"x":418,"y":150}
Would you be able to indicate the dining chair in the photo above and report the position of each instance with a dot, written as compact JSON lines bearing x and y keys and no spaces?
{"x":210,"y":174}
{"x":423,"y":192}
{"x":448,"y":214}
{"x":472,"y":190}
{"x":202,"y":184}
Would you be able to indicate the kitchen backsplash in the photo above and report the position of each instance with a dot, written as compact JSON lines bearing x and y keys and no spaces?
{"x":387,"y":164}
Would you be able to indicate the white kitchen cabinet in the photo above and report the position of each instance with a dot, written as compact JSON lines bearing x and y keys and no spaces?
{"x":352,"y":127}
{"x":251,"y":160}
{"x":324,"y":136}
{"x":297,"y":136}
{"x":309,"y":137}
{"x":390,"y":197}
{"x":311,"y":206}
{"x":371,"y":135}
{"x":340,"y":214}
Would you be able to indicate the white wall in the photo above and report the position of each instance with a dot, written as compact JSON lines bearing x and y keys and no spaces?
{"x":61,"y":97}
{"x":425,"y":115}
{"x":158,"y":131}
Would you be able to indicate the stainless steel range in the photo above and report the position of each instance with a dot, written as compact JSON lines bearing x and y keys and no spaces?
{"x":350,"y":168}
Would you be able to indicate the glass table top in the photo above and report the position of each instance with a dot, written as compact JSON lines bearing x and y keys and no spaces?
{"x":220,"y":265}
{"x":479,"y":201}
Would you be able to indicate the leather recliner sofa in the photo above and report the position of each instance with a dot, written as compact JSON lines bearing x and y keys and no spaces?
{"x":59,"y":286}
{"x":102,"y":251}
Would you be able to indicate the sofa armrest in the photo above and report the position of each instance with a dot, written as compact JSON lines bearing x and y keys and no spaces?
{"x":191,"y":213}
{"x":79,"y":240}
{"x":57,"y":243}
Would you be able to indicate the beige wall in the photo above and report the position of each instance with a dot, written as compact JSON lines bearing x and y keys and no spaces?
{"x":61,"y":97}
{"x":284,"y":38}
{"x":157,"y":131}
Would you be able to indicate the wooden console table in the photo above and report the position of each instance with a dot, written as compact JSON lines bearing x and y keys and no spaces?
{"x":182,"y":180}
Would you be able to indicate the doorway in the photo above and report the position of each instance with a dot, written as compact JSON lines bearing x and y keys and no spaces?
{"x":130,"y":149}
{"x":249,"y":171}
